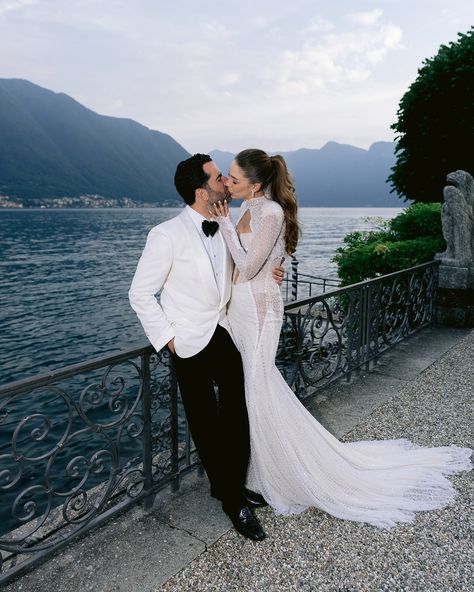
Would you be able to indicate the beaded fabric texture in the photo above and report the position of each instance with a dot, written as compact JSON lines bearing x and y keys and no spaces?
{"x":295,"y":462}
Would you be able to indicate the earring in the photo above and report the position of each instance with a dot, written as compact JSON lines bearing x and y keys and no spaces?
{"x":253,"y":193}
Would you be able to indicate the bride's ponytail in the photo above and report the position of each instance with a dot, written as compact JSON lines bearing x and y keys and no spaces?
{"x":283,"y":192}
{"x":273,"y":174}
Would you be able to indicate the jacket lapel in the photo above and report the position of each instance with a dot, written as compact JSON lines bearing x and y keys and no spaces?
{"x":200,"y":256}
{"x":228,"y":268}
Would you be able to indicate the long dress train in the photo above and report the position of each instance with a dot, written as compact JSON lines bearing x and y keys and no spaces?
{"x":295,"y":462}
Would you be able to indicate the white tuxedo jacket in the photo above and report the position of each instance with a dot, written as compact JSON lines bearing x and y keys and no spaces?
{"x":175,"y":262}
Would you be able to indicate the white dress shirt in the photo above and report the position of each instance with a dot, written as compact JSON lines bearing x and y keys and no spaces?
{"x":214,"y":247}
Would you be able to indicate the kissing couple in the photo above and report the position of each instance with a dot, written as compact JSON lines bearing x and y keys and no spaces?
{"x":220,"y":313}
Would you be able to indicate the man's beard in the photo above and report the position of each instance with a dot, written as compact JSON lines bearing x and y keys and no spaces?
{"x":215,"y":196}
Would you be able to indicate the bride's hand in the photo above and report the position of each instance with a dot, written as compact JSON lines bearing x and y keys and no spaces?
{"x":220,"y":209}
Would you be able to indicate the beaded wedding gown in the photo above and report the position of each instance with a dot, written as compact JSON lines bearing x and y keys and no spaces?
{"x":295,"y":462}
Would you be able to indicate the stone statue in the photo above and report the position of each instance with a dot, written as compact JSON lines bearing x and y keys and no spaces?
{"x":457,"y":218}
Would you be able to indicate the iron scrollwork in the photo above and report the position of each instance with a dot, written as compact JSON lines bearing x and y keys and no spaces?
{"x":336,"y":333}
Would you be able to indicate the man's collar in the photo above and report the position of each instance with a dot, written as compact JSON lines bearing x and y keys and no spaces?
{"x":196,"y":217}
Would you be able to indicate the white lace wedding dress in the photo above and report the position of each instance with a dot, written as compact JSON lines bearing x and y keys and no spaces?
{"x":295,"y":462}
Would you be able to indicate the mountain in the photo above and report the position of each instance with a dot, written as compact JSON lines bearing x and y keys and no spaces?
{"x":222,"y":159}
{"x":53,"y":146}
{"x":337,"y":174}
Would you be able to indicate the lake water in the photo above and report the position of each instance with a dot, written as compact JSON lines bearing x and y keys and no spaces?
{"x":65,"y":275}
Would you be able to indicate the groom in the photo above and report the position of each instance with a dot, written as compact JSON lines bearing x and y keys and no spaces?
{"x":187,"y":260}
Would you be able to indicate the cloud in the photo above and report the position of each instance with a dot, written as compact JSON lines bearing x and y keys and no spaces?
{"x":12,"y":5}
{"x":276,"y":75}
{"x":216,"y":31}
{"x":366,"y":18}
{"x":229,"y":79}
{"x":335,"y":60}
{"x":318,"y":25}
{"x":392,"y":36}
{"x":259,"y":23}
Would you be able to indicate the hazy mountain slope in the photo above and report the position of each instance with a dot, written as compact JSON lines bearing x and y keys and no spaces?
{"x":338,"y":174}
{"x":53,"y":146}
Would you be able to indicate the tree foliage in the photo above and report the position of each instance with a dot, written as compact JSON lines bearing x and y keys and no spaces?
{"x":435,"y":127}
{"x":411,"y":238}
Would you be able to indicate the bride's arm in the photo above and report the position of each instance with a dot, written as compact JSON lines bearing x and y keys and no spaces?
{"x":250,"y":262}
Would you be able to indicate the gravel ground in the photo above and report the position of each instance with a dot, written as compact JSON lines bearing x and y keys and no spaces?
{"x":316,"y":552}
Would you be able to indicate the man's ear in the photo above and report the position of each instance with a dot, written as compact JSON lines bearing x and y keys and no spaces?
{"x":201,"y":194}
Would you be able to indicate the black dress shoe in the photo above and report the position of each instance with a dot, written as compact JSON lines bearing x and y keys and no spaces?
{"x":245,"y":522}
{"x":254,"y":499}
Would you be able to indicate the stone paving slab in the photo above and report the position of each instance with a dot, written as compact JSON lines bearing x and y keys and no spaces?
{"x":136,"y":551}
{"x":193,"y":511}
{"x":118,"y":557}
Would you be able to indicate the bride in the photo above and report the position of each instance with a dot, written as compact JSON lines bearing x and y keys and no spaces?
{"x":295,"y":462}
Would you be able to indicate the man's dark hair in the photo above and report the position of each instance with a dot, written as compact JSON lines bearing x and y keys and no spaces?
{"x":190,"y":176}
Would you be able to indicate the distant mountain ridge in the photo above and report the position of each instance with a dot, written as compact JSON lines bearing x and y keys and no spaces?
{"x":53,"y":146}
{"x":337,"y":175}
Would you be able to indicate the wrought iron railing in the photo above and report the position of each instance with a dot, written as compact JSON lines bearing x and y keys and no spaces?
{"x":297,"y":286}
{"x":306,"y":286}
{"x":102,"y":435}
{"x":339,"y":332}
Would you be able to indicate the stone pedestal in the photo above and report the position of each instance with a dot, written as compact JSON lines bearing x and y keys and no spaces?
{"x":455,"y":306}
{"x":455,"y":302}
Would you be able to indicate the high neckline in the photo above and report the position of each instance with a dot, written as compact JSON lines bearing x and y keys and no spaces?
{"x":254,"y":201}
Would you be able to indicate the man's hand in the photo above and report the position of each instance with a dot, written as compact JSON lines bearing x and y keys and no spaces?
{"x":171,"y":345}
{"x":279,"y":272}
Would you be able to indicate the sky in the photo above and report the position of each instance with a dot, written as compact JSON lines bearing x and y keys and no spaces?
{"x":233,"y":74}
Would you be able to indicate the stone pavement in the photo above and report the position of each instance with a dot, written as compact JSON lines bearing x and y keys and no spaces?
{"x":422,"y":390}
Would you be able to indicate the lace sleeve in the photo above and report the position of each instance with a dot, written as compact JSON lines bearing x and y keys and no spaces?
{"x":264,"y":239}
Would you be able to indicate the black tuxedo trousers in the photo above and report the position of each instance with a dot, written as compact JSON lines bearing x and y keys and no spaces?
{"x":219,"y":425}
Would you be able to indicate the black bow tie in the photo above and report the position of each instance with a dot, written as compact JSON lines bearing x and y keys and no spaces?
{"x":209,"y":227}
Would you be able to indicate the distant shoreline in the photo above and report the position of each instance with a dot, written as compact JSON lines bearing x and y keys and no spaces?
{"x":81,"y":203}
{"x":87,"y":207}
{"x":98,"y":202}
{"x":154,"y":207}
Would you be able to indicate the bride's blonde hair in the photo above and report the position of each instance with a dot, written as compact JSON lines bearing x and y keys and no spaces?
{"x":273,"y":174}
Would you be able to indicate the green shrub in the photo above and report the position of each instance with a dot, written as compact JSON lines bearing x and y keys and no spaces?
{"x":420,"y":219}
{"x":411,"y":238}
